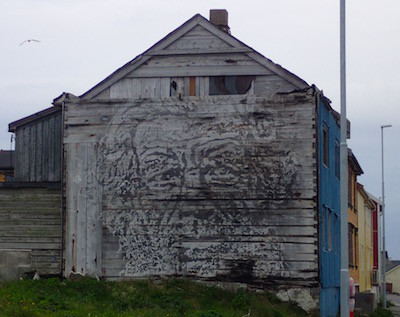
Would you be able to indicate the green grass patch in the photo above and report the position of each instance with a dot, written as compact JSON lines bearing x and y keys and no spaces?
{"x":167,"y":298}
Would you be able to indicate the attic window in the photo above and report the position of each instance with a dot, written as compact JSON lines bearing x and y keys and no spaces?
{"x":230,"y":85}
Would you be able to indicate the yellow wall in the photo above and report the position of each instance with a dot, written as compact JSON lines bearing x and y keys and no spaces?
{"x":364,"y":241}
{"x":353,"y":219}
{"x":393,"y":277}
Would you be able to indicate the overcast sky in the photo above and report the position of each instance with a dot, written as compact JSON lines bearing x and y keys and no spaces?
{"x":83,"y":41}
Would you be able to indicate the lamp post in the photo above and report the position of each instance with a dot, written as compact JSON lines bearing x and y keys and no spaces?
{"x":344,"y":244}
{"x":383,"y":222}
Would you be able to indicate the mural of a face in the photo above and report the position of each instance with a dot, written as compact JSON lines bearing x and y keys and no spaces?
{"x":154,"y":169}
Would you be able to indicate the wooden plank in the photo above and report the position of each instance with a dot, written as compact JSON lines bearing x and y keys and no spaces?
{"x":227,"y":70}
{"x":122,"y":89}
{"x":72,"y":184}
{"x":216,"y":60}
{"x":213,"y":51}
{"x":57,"y":147}
{"x":200,"y":42}
{"x":93,"y":207}
{"x":81,"y":163}
{"x":45,"y":150}
{"x":278,"y":107}
{"x":32,"y":152}
{"x":151,"y":87}
{"x":38,"y":151}
{"x":24,"y":156}
{"x":52,"y":154}
{"x":105,"y":94}
{"x":268,"y":85}
{"x":165,"y":83}
{"x":192,"y":86}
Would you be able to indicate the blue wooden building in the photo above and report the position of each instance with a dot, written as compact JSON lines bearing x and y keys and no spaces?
{"x":329,"y":208}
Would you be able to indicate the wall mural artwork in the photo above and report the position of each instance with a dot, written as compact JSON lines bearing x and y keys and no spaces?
{"x":185,"y":187}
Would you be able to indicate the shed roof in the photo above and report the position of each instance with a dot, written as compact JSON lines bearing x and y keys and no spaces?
{"x":33,"y":117}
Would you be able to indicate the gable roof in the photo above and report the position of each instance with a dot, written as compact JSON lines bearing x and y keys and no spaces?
{"x":391,"y":265}
{"x":161,"y":49}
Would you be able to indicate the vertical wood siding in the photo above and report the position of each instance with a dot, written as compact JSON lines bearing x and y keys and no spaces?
{"x":38,"y":150}
{"x":213,"y":187}
{"x":30,"y":219}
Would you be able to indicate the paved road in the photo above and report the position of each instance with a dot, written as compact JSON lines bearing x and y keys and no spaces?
{"x":395,"y":299}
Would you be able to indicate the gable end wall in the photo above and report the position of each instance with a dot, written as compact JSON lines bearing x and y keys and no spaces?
{"x":219,"y":188}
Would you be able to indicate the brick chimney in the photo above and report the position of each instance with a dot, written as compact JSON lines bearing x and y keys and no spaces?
{"x":219,"y":17}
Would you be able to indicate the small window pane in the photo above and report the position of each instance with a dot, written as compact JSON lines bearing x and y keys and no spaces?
{"x":230,"y":85}
{"x":337,"y":160}
{"x":325,"y":146}
{"x":329,"y":230}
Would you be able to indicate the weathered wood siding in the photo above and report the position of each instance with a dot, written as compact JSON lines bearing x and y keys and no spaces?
{"x":30,"y":221}
{"x":38,"y":150}
{"x":160,"y":87}
{"x":213,"y":187}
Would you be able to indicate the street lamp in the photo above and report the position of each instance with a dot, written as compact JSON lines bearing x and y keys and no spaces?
{"x":344,"y":245}
{"x":383,"y":221}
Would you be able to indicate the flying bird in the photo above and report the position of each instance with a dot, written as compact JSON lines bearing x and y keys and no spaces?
{"x":28,"y":41}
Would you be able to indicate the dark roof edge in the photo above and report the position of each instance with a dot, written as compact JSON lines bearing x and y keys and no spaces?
{"x":278,"y":69}
{"x":354,"y":161}
{"x":335,"y":114}
{"x":38,"y":115}
{"x":139,"y":56}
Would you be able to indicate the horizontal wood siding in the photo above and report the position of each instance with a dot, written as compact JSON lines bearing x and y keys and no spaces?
{"x":198,"y":38}
{"x":200,"y":65}
{"x":38,"y":150}
{"x":271,"y":84}
{"x":160,"y":87}
{"x":219,"y":188}
{"x":30,"y":219}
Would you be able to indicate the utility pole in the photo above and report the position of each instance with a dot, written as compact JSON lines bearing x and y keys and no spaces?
{"x":383,"y":222}
{"x":344,"y":246}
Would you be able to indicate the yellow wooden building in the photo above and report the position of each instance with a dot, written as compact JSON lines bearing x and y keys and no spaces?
{"x":354,"y":170}
{"x":365,"y":246}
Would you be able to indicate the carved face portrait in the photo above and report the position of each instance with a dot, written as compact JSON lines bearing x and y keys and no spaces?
{"x":156,"y":170}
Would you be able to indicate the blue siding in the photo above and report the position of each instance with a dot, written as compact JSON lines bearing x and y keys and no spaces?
{"x":329,"y":212}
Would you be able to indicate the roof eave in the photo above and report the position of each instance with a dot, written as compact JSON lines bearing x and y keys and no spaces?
{"x":33,"y":117}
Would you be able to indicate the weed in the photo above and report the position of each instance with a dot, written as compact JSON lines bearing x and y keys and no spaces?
{"x":171,"y":298}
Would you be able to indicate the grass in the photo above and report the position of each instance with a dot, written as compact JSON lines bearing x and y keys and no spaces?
{"x":168,"y":298}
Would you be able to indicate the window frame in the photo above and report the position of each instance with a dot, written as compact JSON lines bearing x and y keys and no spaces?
{"x":325,"y":145}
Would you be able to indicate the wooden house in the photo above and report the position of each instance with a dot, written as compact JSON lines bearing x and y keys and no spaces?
{"x":365,"y":207}
{"x":38,"y":146}
{"x":393,"y":276}
{"x":30,"y":206}
{"x":376,"y":275}
{"x":354,"y":170}
{"x":202,"y":158}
